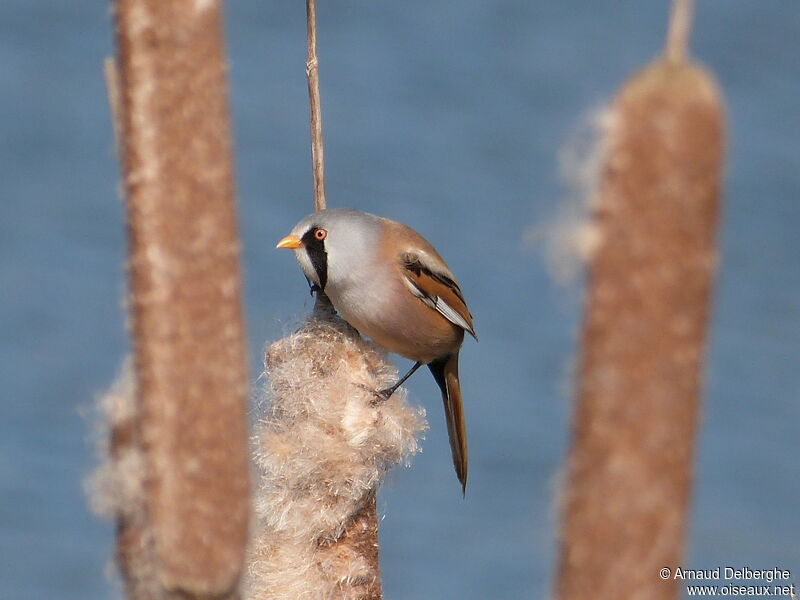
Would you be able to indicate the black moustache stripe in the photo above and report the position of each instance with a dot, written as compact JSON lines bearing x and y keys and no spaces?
{"x":319,"y":257}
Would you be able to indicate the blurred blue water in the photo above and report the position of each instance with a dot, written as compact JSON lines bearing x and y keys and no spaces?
{"x":448,"y":117}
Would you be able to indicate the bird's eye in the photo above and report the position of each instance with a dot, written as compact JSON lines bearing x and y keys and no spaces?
{"x":320,"y":234}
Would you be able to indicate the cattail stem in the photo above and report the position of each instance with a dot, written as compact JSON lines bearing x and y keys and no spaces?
{"x":111,"y":75}
{"x":625,"y":503}
{"x":189,"y":344}
{"x":680,"y":26}
{"x":315,"y":107}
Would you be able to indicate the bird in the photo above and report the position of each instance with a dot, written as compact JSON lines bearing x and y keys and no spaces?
{"x":390,"y":284}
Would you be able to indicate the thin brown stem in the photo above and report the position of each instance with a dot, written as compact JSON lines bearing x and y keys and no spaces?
{"x":312,"y":72}
{"x":111,"y":74}
{"x":680,"y":26}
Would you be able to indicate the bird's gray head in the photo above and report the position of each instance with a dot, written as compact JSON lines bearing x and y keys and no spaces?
{"x":331,"y":243}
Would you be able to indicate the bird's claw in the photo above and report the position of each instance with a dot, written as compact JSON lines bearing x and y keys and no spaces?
{"x":384,"y":394}
{"x":380,"y":395}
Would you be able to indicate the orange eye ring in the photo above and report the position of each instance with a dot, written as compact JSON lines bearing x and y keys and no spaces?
{"x":320,"y":234}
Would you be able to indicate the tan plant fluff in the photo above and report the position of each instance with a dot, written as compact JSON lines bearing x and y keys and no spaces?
{"x":322,"y":447}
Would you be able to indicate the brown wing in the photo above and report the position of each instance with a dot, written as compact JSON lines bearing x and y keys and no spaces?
{"x":436,"y":287}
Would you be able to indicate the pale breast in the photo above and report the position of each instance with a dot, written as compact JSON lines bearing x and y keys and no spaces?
{"x":381,"y":307}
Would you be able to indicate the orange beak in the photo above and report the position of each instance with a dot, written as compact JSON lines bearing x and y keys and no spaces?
{"x":290,"y":241}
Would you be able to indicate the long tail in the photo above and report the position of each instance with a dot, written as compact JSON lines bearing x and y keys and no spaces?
{"x":445,"y":371}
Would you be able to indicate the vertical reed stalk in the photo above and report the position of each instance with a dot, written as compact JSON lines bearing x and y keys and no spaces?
{"x":626,"y":499}
{"x":676,"y":49}
{"x":315,"y":107}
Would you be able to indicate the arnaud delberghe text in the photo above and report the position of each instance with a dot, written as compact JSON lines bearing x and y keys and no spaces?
{"x":732,"y":573}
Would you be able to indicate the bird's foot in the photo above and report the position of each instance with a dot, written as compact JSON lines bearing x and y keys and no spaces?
{"x":380,"y":395}
{"x":385,"y":394}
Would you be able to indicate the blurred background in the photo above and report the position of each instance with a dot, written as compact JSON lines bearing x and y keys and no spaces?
{"x":449,"y":117}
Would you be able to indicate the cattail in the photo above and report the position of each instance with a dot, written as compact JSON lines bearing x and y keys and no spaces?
{"x":183,"y":527}
{"x":322,"y":449}
{"x":626,"y":496}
